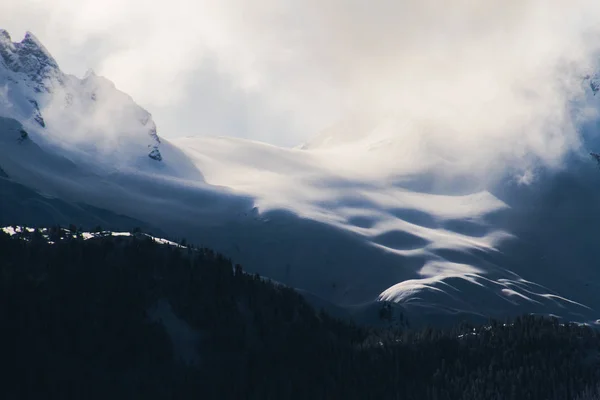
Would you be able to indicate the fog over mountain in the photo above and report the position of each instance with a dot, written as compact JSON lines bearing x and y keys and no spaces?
{"x":435,"y":157}
{"x":488,"y":83}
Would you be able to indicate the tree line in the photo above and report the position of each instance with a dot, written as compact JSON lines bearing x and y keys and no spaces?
{"x":77,"y":322}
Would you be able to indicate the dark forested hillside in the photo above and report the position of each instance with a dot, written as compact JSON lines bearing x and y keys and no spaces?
{"x":127,"y":317}
{"x":25,"y":206}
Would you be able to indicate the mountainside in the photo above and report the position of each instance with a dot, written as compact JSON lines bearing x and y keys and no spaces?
{"x":88,"y":117}
{"x":118,"y":315}
{"x":322,"y":219}
{"x":22,"y":205}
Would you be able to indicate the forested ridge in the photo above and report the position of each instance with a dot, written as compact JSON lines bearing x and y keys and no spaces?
{"x":127,"y":317}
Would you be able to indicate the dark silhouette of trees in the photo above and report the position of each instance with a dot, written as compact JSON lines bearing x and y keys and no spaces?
{"x":116,"y":317}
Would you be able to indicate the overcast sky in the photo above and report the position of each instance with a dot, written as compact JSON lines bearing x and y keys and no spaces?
{"x":484,"y":74}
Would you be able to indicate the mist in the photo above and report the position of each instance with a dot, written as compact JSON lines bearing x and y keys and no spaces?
{"x":468,"y":84}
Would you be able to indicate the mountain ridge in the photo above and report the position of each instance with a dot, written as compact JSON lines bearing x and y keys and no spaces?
{"x":322,"y":221}
{"x":36,"y":89}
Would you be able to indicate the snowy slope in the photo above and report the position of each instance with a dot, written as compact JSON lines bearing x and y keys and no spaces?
{"x":89,"y":118}
{"x":324,"y":219}
{"x":450,"y":254}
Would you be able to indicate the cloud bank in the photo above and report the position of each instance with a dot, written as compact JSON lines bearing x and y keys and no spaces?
{"x":478,"y":83}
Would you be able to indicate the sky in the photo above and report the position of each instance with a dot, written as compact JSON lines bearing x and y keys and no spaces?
{"x":483,"y":81}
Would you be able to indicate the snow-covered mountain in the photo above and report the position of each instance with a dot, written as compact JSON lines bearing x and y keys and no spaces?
{"x":88,"y":116}
{"x":319,"y":218}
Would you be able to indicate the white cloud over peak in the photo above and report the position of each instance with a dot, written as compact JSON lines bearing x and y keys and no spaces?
{"x":480,"y":83}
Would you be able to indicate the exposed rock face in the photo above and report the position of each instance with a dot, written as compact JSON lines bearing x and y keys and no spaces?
{"x":31,"y":58}
{"x":37,"y":114}
{"x":23,"y":136}
{"x":155,"y":154}
{"x":594,"y":82}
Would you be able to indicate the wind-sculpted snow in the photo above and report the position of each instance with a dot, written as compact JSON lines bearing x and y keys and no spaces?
{"x":330,"y":221}
{"x":455,"y":254}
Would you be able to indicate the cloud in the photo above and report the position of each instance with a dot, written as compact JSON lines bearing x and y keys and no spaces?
{"x":476,"y":83}
{"x":5,"y":105}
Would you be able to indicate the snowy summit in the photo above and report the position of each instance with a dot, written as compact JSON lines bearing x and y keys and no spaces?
{"x":89,"y":113}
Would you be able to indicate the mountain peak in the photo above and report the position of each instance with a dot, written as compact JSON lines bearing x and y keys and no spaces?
{"x":89,"y":112}
{"x":4,"y":35}
{"x":7,"y":48}
{"x":34,"y":55}
{"x":30,"y":43}
{"x":29,"y":57}
{"x":89,"y":74}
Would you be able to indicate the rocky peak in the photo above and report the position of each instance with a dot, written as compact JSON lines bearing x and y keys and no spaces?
{"x":4,"y":36}
{"x":31,"y":47}
{"x":91,"y":105}
{"x":90,"y":73}
{"x":7,"y":49}
{"x":29,"y":57}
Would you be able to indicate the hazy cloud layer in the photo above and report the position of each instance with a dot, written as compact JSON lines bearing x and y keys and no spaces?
{"x":483,"y":82}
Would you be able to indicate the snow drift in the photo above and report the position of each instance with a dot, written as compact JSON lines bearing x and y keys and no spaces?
{"x":328,"y":218}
